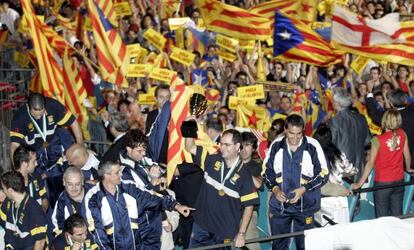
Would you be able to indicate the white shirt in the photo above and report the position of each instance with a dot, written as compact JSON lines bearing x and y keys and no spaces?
{"x":9,"y":18}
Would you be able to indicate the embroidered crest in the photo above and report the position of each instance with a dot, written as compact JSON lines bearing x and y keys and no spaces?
{"x":30,"y":126}
{"x":217,"y":166}
{"x":309,"y":220}
{"x":50,"y":119}
{"x":235,"y":177}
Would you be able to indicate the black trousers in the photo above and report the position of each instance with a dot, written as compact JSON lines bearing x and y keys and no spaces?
{"x":389,"y":201}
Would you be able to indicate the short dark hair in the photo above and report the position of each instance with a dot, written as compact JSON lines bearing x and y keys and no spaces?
{"x":295,"y":121}
{"x":376,"y":68}
{"x":13,"y":180}
{"x":36,"y":101}
{"x":237,"y":138}
{"x":20,"y":155}
{"x":215,"y":123}
{"x":397,"y":97}
{"x":241,"y":73}
{"x":249,"y":137}
{"x":161,"y":86}
{"x":135,"y":138}
{"x":75,"y":220}
{"x":122,"y":102}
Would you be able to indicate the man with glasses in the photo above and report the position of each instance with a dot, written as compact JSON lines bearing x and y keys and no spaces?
{"x":70,"y":200}
{"x":227,"y":195}
{"x":135,"y":165}
{"x":296,"y":168}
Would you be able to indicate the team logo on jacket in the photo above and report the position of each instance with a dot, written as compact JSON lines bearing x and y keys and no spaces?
{"x":30,"y":126}
{"x":50,"y":119}
{"x":309,"y":220}
{"x":235,"y":178}
{"x":217,"y":166}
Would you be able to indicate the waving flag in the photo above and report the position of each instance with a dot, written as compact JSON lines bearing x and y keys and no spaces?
{"x":49,"y":69}
{"x":199,"y":76}
{"x":295,"y":41}
{"x":304,"y":10}
{"x":110,"y":48}
{"x":234,"y":21}
{"x":384,"y":39}
{"x":253,"y":117}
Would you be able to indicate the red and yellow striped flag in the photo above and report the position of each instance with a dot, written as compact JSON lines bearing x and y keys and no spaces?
{"x":179,"y":112}
{"x":110,"y":48}
{"x":75,"y":92}
{"x":49,"y":70}
{"x":233,"y":21}
{"x":304,"y":10}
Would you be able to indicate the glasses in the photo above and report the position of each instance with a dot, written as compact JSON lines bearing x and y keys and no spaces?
{"x":225,"y":144}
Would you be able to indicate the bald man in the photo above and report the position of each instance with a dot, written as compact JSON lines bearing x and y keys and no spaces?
{"x":85,"y":160}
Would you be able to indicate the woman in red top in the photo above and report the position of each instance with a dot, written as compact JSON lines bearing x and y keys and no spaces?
{"x":389,"y":152}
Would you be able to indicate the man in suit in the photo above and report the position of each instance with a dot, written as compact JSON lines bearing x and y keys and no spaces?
{"x":162,"y":95}
{"x":118,"y":126}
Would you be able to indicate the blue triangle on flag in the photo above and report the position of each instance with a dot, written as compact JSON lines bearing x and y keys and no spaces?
{"x":106,"y":24}
{"x":286,"y":35}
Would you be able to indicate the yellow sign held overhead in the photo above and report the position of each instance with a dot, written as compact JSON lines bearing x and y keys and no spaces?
{"x":359,"y":64}
{"x":138,"y":70}
{"x":226,"y":55}
{"x":227,"y":42}
{"x":182,"y":56}
{"x":176,"y":23}
{"x":247,"y":44}
{"x":122,"y":9}
{"x":133,"y":50}
{"x":146,"y":99}
{"x":164,"y":75}
{"x":155,"y":38}
{"x":253,"y":92}
{"x":235,"y":101}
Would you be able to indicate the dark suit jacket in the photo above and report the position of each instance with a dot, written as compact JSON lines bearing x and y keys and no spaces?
{"x":152,"y":115}
{"x":350,"y":134}
{"x":112,"y":154}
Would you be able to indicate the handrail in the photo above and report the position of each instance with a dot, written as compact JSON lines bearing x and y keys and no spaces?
{"x":275,"y":237}
{"x":379,"y":187}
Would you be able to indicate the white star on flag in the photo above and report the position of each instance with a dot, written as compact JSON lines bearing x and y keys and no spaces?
{"x":285,"y":35}
{"x":198,"y":79}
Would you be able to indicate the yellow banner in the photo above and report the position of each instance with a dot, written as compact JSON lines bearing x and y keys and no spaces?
{"x":342,"y":2}
{"x":164,"y":75}
{"x":151,"y":91}
{"x":21,"y":59}
{"x":359,"y":64}
{"x":138,"y":70}
{"x":226,"y":55}
{"x":133,"y":50}
{"x":155,"y":38}
{"x":198,"y":89}
{"x":182,"y":56}
{"x":146,"y":99}
{"x":254,"y":92}
{"x":122,"y":9}
{"x":235,"y":101}
{"x":269,"y":41}
{"x":176,"y":23}
{"x":247,"y":44}
{"x":227,"y":43}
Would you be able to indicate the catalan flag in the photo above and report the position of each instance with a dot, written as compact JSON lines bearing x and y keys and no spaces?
{"x":110,"y":48}
{"x":253,"y":117}
{"x":49,"y":70}
{"x":234,"y":21}
{"x":75,"y":92}
{"x":314,"y":117}
{"x":296,"y":41}
{"x":179,"y":112}
{"x":304,"y":10}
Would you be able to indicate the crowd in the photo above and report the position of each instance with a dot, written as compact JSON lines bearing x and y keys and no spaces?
{"x":333,"y":123}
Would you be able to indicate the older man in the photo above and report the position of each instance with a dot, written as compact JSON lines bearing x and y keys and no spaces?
{"x":70,"y":200}
{"x":80,"y":157}
{"x":113,"y":209}
{"x":350,"y":131}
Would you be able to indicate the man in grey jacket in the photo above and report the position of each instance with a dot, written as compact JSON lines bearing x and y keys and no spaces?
{"x":350,"y":131}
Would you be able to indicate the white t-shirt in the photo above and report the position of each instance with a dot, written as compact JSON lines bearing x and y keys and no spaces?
{"x":9,"y":18}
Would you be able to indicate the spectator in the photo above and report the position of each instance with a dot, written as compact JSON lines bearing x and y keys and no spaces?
{"x":389,"y":153}
{"x":345,"y":137}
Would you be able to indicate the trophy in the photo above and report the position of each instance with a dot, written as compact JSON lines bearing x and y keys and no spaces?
{"x":198,"y":105}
